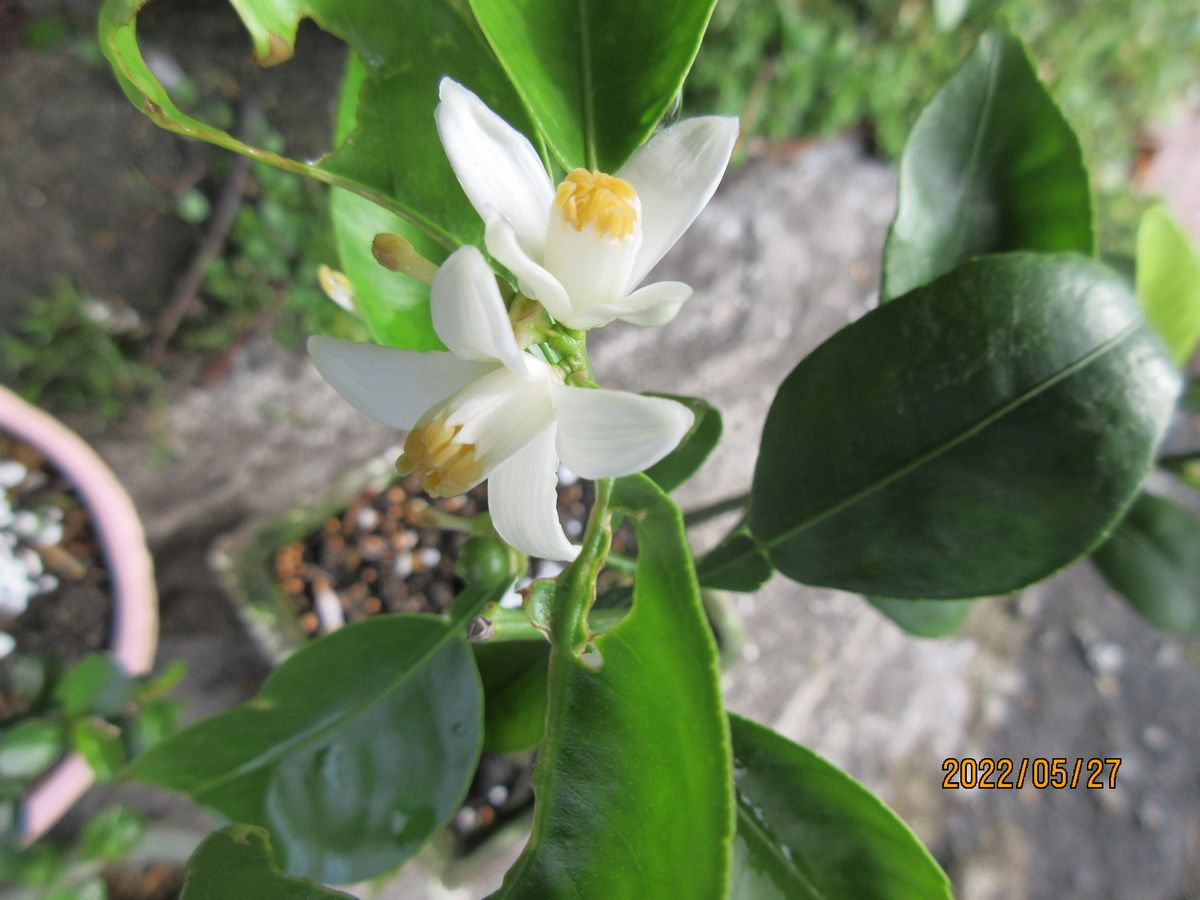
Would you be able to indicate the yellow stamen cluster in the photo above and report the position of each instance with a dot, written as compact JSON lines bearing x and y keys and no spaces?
{"x":593,"y":198}
{"x":447,"y":467}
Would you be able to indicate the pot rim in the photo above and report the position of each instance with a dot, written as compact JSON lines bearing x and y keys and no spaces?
{"x":134,"y":596}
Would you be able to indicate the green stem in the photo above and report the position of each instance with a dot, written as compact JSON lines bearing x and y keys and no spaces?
{"x":577,"y":585}
{"x":513,"y":624}
{"x":719,"y":508}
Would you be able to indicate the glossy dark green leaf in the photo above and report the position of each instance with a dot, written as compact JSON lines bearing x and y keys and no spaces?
{"x":238,"y":862}
{"x":394,"y":307}
{"x":1013,"y":410}
{"x":991,"y":165}
{"x":596,"y":76}
{"x":632,"y":778}
{"x":30,"y":748}
{"x":355,"y":752}
{"x":735,"y":564}
{"x":808,"y":831}
{"x":112,"y":834}
{"x":925,"y":618}
{"x":1168,"y":282}
{"x":98,"y":684}
{"x":394,"y":156}
{"x":514,"y":693}
{"x":1153,"y":560}
{"x":681,"y":463}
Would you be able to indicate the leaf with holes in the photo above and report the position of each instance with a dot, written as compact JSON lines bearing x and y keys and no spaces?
{"x":632,"y":779}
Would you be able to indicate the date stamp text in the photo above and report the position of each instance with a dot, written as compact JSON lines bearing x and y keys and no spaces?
{"x":1041,"y":772}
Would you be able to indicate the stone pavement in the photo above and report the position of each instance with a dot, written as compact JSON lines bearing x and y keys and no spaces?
{"x":786,"y":254}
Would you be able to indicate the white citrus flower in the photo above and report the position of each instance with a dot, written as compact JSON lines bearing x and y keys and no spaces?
{"x":489,"y":410}
{"x":581,"y":249}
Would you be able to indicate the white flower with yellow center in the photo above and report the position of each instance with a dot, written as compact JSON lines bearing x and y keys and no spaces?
{"x":489,"y":410}
{"x":582,"y":249}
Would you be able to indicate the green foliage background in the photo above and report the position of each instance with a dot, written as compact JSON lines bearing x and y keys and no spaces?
{"x":808,"y":68}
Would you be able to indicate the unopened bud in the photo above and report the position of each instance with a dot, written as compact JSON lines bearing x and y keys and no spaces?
{"x":398,"y":254}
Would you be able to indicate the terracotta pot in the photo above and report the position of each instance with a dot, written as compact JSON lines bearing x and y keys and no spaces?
{"x":134,"y":597}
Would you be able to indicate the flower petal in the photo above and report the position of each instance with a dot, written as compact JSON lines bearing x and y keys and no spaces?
{"x":604,"y":434}
{"x":675,"y":175}
{"x":655,"y":304}
{"x":495,"y":164}
{"x":535,"y":281}
{"x":391,"y":386}
{"x":469,"y":314}
{"x":523,"y":501}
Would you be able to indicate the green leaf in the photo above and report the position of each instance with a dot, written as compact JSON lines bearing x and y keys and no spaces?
{"x":159,"y":686}
{"x":990,"y":166}
{"x":112,"y":834}
{"x":1013,"y":410}
{"x":681,"y":463}
{"x":1153,"y":561}
{"x":356,"y":751}
{"x":394,"y":306}
{"x":514,"y":692}
{"x":738,"y":563}
{"x":808,"y":831}
{"x":1168,"y":282}
{"x":596,"y":76}
{"x":925,"y":618}
{"x":100,"y":744}
{"x":155,"y":720}
{"x":394,"y":156}
{"x":98,"y":684}
{"x":237,"y":861}
{"x":30,"y":747}
{"x":632,"y":778}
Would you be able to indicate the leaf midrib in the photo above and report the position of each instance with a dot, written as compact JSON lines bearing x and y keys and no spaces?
{"x":982,"y":125}
{"x":585,"y":85}
{"x":764,"y":837}
{"x":962,"y":436}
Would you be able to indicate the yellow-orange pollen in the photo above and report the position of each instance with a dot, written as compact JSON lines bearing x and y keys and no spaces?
{"x":447,"y":467}
{"x":593,"y":198}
